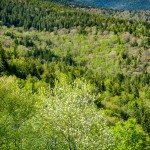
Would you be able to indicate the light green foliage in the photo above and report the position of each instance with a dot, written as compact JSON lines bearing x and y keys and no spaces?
{"x":70,"y":119}
{"x":131,"y":136}
{"x":16,"y":106}
{"x":65,"y":118}
{"x":117,"y":71}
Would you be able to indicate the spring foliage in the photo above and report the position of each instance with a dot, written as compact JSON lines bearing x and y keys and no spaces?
{"x":80,"y":84}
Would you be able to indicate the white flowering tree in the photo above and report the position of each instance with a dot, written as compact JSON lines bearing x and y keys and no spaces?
{"x":68,"y":119}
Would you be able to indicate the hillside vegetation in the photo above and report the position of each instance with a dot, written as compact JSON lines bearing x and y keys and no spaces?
{"x":138,"y":15}
{"x":72,"y":80}
{"x":49,"y":16}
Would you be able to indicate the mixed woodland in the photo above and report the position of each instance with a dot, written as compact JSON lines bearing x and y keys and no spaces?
{"x":71,"y":79}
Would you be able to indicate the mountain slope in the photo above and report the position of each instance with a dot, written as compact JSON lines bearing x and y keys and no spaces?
{"x":138,"y":15}
{"x":119,"y":4}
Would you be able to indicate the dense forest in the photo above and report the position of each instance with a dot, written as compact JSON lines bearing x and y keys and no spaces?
{"x":72,"y":80}
{"x":49,"y":16}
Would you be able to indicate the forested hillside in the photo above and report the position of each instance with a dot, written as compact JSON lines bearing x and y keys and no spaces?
{"x":49,"y":16}
{"x":142,"y":15}
{"x":138,"y":15}
{"x":71,"y":80}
